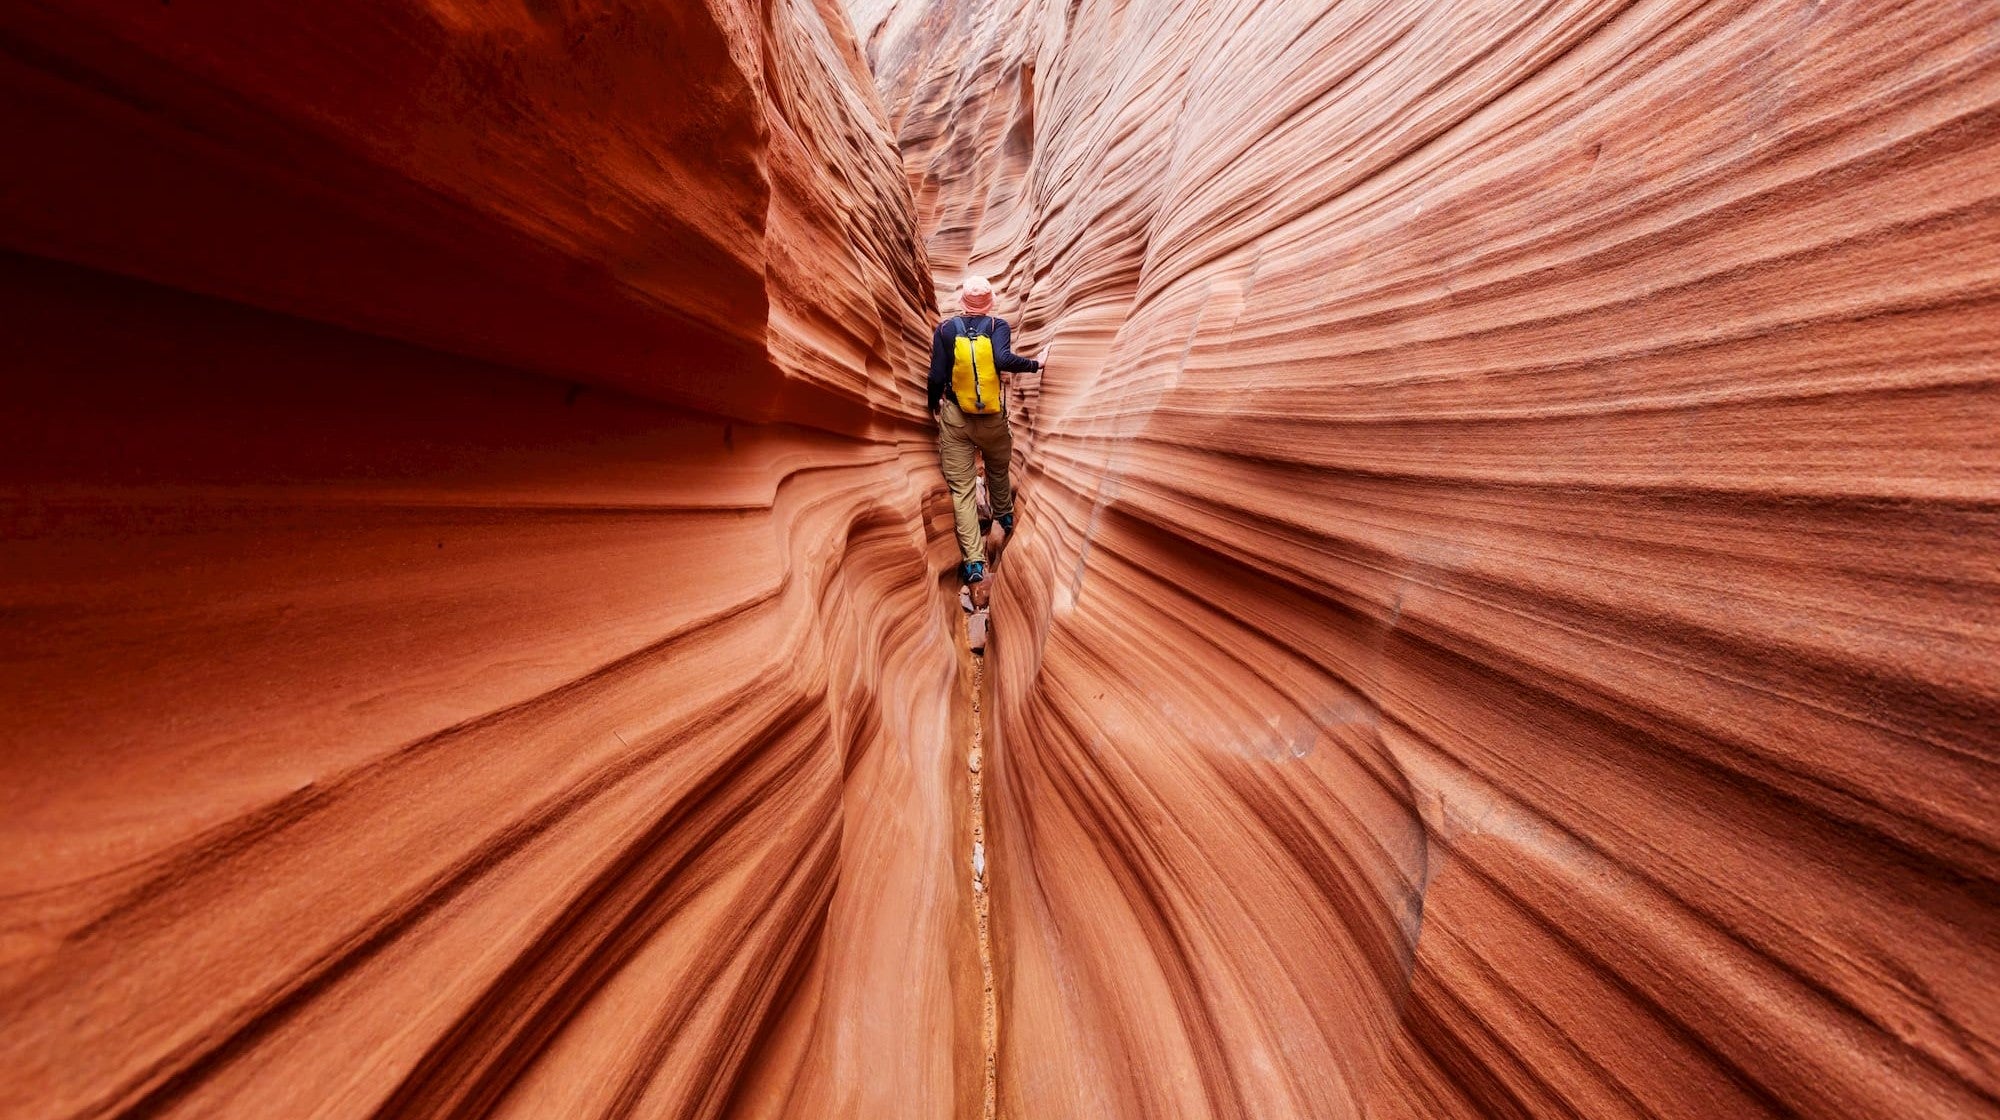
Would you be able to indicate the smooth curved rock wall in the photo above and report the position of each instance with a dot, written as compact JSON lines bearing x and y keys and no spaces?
{"x":468,"y":641}
{"x":1505,"y":617}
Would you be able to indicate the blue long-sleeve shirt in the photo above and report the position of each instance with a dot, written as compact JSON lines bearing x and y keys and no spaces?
{"x":941,"y":351}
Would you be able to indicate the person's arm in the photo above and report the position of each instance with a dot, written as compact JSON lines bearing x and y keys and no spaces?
{"x":940,"y":367}
{"x":1003,"y":354}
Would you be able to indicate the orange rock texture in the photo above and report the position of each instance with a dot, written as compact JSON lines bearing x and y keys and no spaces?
{"x":1505,"y":621}
{"x":464,"y":603}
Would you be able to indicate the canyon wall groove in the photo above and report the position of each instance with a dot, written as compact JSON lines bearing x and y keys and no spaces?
{"x":467,"y":634}
{"x":1504,"y":622}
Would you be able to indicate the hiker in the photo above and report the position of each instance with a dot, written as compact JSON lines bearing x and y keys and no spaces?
{"x":969,"y":354}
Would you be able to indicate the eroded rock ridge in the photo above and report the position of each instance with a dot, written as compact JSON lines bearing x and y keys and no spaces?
{"x":1504,"y":622}
{"x":468,"y":644}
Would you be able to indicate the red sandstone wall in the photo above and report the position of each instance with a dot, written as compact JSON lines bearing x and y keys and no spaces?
{"x":1503,"y":625}
{"x":467,"y":638}
{"x":1505,"y":619}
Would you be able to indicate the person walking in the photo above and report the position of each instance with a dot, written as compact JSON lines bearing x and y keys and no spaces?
{"x":969,"y":354}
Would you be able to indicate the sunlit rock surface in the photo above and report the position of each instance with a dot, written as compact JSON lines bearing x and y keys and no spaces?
{"x":468,"y":641}
{"x":1504,"y":622}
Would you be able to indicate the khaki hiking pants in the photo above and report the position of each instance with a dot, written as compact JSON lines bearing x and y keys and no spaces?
{"x":962,"y":440}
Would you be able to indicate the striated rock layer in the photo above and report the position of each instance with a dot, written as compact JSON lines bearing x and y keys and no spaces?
{"x":468,"y":643}
{"x":1505,"y":621}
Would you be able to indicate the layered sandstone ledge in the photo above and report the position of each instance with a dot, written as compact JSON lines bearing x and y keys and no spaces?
{"x":1506,"y":618}
{"x":1504,"y":622}
{"x":470,"y":645}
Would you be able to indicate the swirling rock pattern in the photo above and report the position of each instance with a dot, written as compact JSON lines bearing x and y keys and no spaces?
{"x":1505,"y":621}
{"x":467,"y":637}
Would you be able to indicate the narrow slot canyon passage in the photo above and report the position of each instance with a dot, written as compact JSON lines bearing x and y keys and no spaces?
{"x":1503,"y":621}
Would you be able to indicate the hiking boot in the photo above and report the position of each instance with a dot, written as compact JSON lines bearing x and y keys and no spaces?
{"x":1006,"y":523}
{"x":974,"y":571}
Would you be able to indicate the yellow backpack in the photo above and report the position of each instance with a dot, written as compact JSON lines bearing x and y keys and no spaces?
{"x":975,"y":380}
